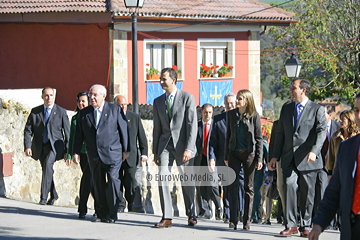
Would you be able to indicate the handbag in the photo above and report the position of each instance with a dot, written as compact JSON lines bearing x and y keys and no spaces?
{"x":273,"y":193}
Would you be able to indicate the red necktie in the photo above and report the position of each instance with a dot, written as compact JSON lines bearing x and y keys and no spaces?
{"x":356,"y":194}
{"x":325,"y":145}
{"x":206,"y":136}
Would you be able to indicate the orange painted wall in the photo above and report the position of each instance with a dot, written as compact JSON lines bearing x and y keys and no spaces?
{"x":191,"y":82}
{"x":68,"y":57}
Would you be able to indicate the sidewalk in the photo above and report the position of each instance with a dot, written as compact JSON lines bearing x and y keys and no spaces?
{"x":24,"y":220}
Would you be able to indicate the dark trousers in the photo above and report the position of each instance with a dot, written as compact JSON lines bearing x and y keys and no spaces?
{"x":106,"y":192}
{"x":47,"y":160}
{"x":86,"y":185}
{"x":238,"y":160}
{"x":131,"y":187}
{"x":205,"y":193}
{"x":258,"y":182}
{"x":355,"y":229}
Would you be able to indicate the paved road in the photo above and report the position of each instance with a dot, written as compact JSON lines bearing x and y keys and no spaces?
{"x":24,"y":220}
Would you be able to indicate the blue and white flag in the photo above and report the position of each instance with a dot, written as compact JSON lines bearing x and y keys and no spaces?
{"x":153,"y":90}
{"x":213,"y":92}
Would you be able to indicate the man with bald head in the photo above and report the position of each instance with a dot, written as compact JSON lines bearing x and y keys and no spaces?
{"x":103,"y":127}
{"x":129,"y":167}
{"x":46,"y":135}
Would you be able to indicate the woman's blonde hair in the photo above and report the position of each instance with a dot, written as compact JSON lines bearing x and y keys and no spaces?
{"x":352,"y":128}
{"x":250,"y":105}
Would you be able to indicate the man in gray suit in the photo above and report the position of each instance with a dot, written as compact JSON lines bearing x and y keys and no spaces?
{"x":174,"y":137}
{"x":45,"y":138}
{"x":300,"y":134}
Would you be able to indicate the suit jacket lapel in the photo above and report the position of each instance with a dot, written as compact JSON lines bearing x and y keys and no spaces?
{"x":52,"y":112}
{"x":104,"y":114}
{"x":177,"y":102}
{"x":42,"y":115}
{"x":91,"y":116}
{"x":304,"y":112}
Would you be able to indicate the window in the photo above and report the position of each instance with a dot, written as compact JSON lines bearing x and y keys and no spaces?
{"x":165,"y":53}
{"x":217,"y":52}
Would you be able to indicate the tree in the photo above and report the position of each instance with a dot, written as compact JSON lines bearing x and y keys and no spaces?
{"x":326,"y":40}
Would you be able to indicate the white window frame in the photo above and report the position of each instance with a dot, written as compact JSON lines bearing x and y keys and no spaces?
{"x":180,"y":55}
{"x":218,"y":42}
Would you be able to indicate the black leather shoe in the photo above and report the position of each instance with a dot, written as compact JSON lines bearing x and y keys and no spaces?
{"x":42,"y":202}
{"x":97,"y":220}
{"x":51,"y":201}
{"x":192,"y":221}
{"x":82,"y":215}
{"x":218,"y":214}
{"x":110,"y":220}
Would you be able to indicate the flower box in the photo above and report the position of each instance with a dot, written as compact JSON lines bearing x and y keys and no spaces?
{"x":228,"y":74}
{"x":153,"y":77}
{"x":203,"y":75}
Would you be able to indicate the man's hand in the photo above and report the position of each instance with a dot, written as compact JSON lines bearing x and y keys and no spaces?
{"x":311,"y":157}
{"x":76,"y":158}
{"x":272,"y":164}
{"x":212,"y":165}
{"x":156,"y":159}
{"x":143,"y":158}
{"x":315,"y":232}
{"x":258,"y":166}
{"x":226,"y":162}
{"x":28,"y":152}
{"x":125,"y":155}
{"x":186,"y":156}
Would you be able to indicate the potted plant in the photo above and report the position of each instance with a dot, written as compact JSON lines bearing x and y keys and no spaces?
{"x":206,"y":71}
{"x":215,"y":73}
{"x":178,"y":71}
{"x":152,"y":73}
{"x":225,"y":70}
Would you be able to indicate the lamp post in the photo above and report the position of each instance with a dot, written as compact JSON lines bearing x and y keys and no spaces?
{"x":135,"y":96}
{"x":293,"y":66}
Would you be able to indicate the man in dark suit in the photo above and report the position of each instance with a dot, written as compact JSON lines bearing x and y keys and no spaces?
{"x":174,"y":137}
{"x":322,"y":176}
{"x":103,"y":127}
{"x":130,"y":166}
{"x":45,"y":138}
{"x":343,"y":191}
{"x":206,"y":191}
{"x":217,"y":153}
{"x":300,"y":134}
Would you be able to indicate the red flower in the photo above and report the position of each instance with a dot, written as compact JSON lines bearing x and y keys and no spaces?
{"x":174,"y":67}
{"x":225,"y":64}
{"x":147,"y":65}
{"x":231,"y":67}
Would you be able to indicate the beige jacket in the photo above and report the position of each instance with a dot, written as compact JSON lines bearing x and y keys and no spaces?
{"x":334,"y":144}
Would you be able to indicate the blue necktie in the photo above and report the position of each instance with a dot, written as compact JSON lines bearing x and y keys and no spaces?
{"x":46,"y":120}
{"x":298,"y":111}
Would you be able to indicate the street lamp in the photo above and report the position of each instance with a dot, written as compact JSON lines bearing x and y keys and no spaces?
{"x":293,"y":66}
{"x":135,"y":96}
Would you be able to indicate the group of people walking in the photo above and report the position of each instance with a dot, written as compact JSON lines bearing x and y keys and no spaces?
{"x":108,"y":141}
